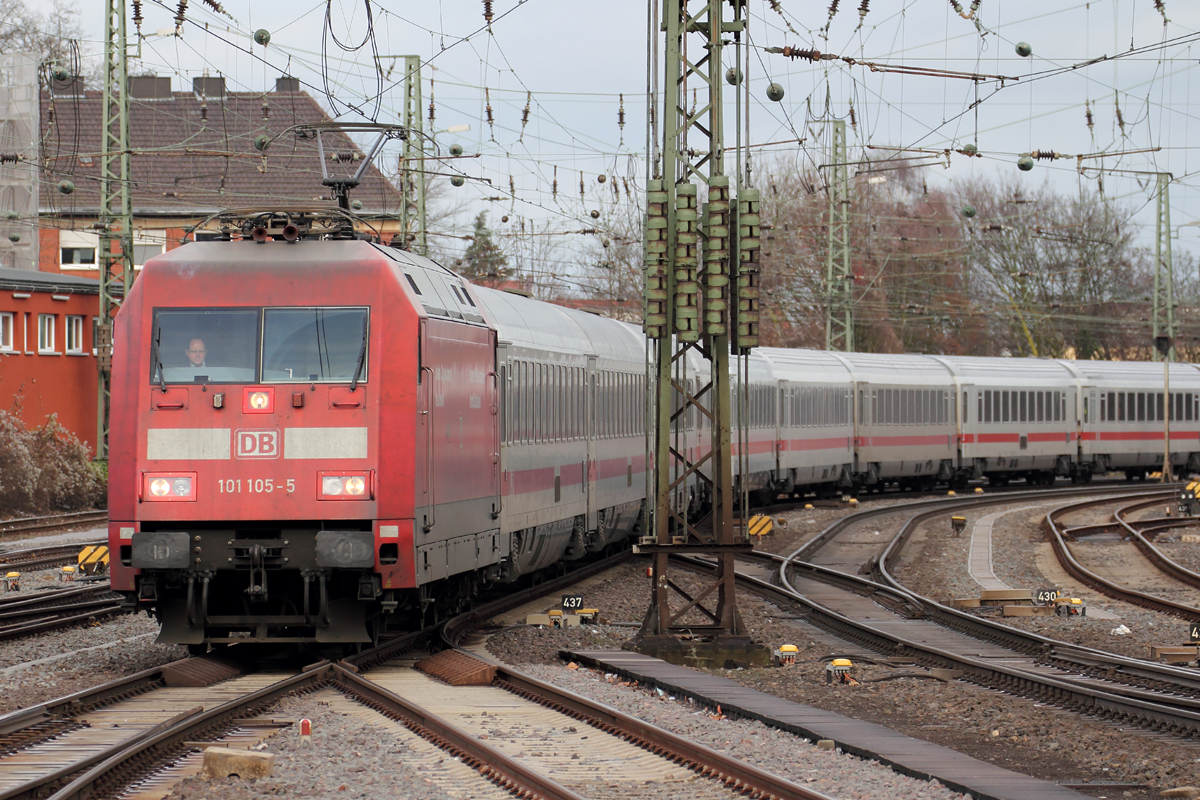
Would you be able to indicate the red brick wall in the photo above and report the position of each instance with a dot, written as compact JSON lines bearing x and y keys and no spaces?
{"x":36,"y":385}
{"x":48,"y":258}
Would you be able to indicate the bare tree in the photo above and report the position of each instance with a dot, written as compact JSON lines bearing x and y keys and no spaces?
{"x":53,"y":36}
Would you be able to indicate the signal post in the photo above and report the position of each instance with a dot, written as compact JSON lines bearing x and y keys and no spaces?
{"x":701,"y":299}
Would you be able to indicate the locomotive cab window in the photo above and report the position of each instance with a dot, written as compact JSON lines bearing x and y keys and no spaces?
{"x":204,"y":345}
{"x":306,"y":345}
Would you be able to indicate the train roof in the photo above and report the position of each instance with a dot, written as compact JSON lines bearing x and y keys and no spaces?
{"x":524,"y":321}
{"x":1007,"y":371}
{"x":895,"y":368}
{"x":805,"y":366}
{"x":1140,"y":373}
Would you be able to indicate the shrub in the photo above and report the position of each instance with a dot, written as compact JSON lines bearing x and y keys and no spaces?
{"x":45,"y":469}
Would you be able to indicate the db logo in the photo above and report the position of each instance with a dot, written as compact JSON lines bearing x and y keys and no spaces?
{"x":257,"y":444}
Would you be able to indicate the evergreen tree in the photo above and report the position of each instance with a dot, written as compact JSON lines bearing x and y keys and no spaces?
{"x":484,"y":262}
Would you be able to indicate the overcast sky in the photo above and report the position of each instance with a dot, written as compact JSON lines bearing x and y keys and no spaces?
{"x":577,"y":59}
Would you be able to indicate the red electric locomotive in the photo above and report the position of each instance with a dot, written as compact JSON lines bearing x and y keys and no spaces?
{"x":273,"y":467}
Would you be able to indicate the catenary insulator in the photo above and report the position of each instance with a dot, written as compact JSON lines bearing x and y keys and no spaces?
{"x":581,"y":197}
{"x":66,"y":187}
{"x":262,"y":36}
{"x":14,"y":237}
{"x":266,"y":111}
{"x":512,"y":189}
{"x":432,"y":112}
{"x":456,"y":150}
{"x":1088,"y":116}
{"x":215,"y":6}
{"x":487,"y":11}
{"x":1025,"y":163}
{"x":745,"y":303}
{"x":621,"y":113}
{"x":733,"y":76}
{"x":262,"y":142}
{"x":601,"y":178}
{"x":504,"y":218}
{"x":554,"y":185}
{"x":1024,"y":50}
{"x":491,"y":120}
{"x":357,"y":205}
{"x":655,"y":264}
{"x":968,"y":211}
{"x":457,"y":180}
{"x":595,"y":214}
{"x":137,"y":15}
{"x":775,"y":92}
{"x":181,"y":14}
{"x":853,"y":118}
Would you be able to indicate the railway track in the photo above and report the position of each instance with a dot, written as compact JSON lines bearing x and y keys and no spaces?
{"x":52,"y":522}
{"x":42,"y":557}
{"x":133,"y":735}
{"x":1132,"y":692}
{"x":1140,"y":533}
{"x":38,"y":612}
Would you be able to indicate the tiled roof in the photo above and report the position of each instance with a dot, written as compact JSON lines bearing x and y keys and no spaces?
{"x":186,"y":165}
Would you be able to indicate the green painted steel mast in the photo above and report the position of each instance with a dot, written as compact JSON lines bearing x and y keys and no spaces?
{"x":412,"y":161}
{"x":700,"y":288}
{"x":115,"y":222}
{"x":1163,"y":315}
{"x":839,"y":280}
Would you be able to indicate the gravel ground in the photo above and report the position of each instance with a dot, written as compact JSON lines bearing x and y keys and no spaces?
{"x":356,"y":754}
{"x":39,"y":668}
{"x":348,"y":758}
{"x":935,"y":565}
{"x":1011,"y":732}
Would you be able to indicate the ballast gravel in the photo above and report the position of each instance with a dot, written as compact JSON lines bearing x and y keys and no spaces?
{"x":50,"y":665}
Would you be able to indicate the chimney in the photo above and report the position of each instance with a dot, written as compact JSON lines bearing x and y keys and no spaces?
{"x":209,"y":87}
{"x":150,"y":87}
{"x":287,"y":84}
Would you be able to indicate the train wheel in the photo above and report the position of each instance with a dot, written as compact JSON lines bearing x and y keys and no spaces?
{"x":197,"y":649}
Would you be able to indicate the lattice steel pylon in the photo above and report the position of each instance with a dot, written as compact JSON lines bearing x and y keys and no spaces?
{"x":700,"y":290}
{"x":1163,"y":312}
{"x":412,"y":161}
{"x":115,"y":223}
{"x":839,"y":280}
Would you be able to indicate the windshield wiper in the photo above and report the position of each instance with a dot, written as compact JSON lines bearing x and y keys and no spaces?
{"x":362,"y":356}
{"x":162,"y":379}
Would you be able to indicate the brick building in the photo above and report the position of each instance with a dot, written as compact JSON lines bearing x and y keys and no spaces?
{"x":47,"y":353}
{"x":194,"y":155}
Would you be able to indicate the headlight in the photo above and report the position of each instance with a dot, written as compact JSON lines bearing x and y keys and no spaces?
{"x":341,"y":486}
{"x":258,"y":401}
{"x":168,"y":486}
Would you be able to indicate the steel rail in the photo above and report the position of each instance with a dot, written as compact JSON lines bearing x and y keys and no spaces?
{"x":1085,"y":576}
{"x":1094,"y":662}
{"x":493,"y":764}
{"x":50,"y":522}
{"x":737,"y":775}
{"x":1140,"y":532}
{"x":114,"y":764}
{"x":40,"y":557}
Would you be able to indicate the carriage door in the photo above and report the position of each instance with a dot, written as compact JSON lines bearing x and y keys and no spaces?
{"x":862,"y":419}
{"x":592,"y":406}
{"x":781,"y":421}
{"x":968,"y":408}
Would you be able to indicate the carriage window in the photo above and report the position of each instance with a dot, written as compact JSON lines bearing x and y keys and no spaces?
{"x":1141,"y":406}
{"x":1004,"y":406}
{"x":1187,"y":407}
{"x":304,"y":345}
{"x":206,"y":345}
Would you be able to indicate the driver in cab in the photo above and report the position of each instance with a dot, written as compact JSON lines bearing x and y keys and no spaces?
{"x":196,"y":353}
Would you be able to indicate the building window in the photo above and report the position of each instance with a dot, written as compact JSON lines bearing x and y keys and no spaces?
{"x":75,"y":335}
{"x":146,"y":245}
{"x":78,"y":250}
{"x":46,"y":333}
{"x":6,"y":333}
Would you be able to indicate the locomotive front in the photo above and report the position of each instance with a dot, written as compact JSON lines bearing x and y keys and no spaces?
{"x":248,"y":440}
